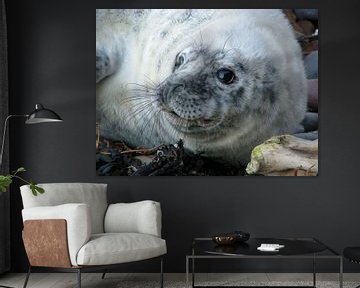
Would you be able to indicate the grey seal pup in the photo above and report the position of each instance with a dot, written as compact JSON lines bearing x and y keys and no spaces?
{"x":222,"y":80}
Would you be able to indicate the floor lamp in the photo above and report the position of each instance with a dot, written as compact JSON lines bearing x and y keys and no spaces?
{"x":39,"y":115}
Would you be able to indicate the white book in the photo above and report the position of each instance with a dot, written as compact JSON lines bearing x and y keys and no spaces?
{"x":270,"y":247}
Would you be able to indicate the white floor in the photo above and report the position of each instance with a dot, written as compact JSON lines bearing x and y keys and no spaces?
{"x":116,"y":280}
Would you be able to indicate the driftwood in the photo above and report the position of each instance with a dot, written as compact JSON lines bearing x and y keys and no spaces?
{"x":285,"y":155}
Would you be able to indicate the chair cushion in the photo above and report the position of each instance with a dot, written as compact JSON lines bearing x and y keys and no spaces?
{"x":93,"y":194}
{"x":137,"y":217}
{"x":352,"y":253}
{"x":113,"y":248}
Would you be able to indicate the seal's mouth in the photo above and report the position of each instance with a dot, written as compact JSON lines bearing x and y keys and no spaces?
{"x":190,"y":124}
{"x":186,"y":123}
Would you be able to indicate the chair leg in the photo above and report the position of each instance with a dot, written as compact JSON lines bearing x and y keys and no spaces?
{"x":79,"y":277}
{"x":27,"y":277}
{"x":161,"y":273}
{"x":103,"y":275}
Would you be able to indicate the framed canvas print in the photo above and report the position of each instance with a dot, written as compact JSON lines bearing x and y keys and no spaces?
{"x":206,"y":92}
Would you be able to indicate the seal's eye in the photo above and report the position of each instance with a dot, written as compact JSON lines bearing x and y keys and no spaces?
{"x":226,"y":76}
{"x":180,"y":59}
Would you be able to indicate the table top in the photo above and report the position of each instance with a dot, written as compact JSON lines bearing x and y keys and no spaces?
{"x":293,"y":247}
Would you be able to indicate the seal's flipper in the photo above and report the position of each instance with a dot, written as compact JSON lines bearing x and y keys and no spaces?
{"x":107,"y":62}
{"x":102,"y":65}
{"x":109,"y":53}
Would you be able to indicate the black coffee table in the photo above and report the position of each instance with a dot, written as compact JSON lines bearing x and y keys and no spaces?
{"x":295,"y":248}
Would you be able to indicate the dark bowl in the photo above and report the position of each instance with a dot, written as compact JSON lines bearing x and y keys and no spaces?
{"x":242,"y":236}
{"x":231,"y":238}
{"x":225,"y":239}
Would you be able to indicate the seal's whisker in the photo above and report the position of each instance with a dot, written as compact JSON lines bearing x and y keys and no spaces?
{"x":145,"y":99}
{"x":141,"y":90}
{"x":201,"y":40}
{"x":141,"y":94}
{"x":137,"y":84}
{"x":155,"y":118}
{"x":135,"y":101}
{"x":140,"y":111}
{"x":146,"y":86}
{"x":177,"y":128}
{"x":136,"y":97}
{"x":227,"y":39}
{"x":139,"y":106}
{"x":148,"y":109}
{"x":142,"y":104}
{"x":149,"y":85}
{"x":149,"y":116}
{"x":159,"y":120}
{"x":151,"y":81}
{"x":133,"y":97}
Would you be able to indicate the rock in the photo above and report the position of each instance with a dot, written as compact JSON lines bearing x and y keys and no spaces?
{"x":284,"y":155}
{"x":310,"y":121}
{"x":307,"y":27}
{"x":313,"y":135}
{"x":313,"y":95}
{"x":299,"y":129}
{"x":311,"y":65}
{"x":311,"y":14}
{"x":289,"y":13}
{"x":310,"y":47}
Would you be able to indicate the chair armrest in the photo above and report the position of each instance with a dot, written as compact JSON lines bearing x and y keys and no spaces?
{"x":138,"y":217}
{"x":77,"y":218}
{"x":52,"y":250}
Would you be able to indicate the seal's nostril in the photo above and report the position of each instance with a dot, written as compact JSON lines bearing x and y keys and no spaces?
{"x":178,"y":88}
{"x":173,"y":89}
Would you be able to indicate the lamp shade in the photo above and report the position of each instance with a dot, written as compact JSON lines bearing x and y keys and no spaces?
{"x":42,"y":115}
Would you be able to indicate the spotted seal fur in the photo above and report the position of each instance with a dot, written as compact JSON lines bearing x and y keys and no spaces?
{"x":221,"y":80}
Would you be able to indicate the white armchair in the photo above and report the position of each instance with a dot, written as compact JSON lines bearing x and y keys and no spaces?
{"x":72,"y":228}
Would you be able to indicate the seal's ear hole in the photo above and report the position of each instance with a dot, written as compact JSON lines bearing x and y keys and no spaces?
{"x":179,"y":60}
{"x":225,"y":76}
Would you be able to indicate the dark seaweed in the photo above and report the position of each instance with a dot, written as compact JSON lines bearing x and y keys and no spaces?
{"x":115,"y":158}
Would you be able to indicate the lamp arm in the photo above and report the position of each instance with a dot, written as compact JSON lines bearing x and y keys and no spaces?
{"x":4,"y":134}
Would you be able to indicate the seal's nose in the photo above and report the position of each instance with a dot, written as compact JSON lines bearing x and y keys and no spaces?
{"x":174,"y":89}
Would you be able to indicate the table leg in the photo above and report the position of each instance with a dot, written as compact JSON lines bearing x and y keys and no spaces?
{"x":187,"y":272}
{"x":193,"y":272}
{"x":193,"y":267}
{"x":341,"y":273}
{"x":314,"y":271}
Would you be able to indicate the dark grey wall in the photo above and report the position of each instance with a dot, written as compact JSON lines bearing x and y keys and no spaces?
{"x":51,"y":49}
